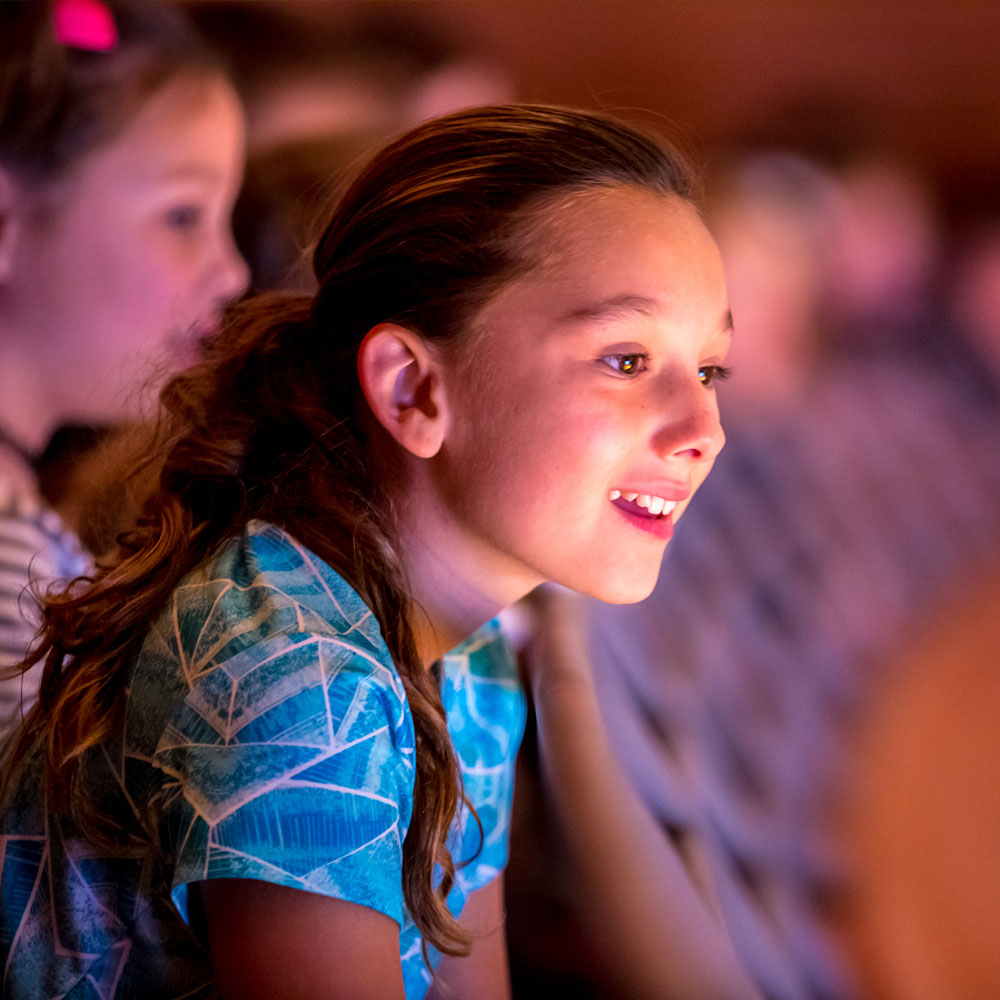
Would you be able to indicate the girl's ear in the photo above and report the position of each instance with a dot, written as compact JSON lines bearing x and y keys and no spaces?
{"x":403,"y":385}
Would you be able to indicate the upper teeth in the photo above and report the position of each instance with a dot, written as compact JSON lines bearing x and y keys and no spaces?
{"x":655,"y":505}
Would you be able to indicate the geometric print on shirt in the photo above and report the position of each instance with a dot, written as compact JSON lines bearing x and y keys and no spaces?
{"x":266,"y":736}
{"x":486,"y":712}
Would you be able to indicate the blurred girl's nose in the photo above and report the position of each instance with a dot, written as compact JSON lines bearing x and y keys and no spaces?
{"x":232,"y":274}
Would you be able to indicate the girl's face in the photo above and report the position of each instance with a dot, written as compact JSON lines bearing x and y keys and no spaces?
{"x":129,"y":259}
{"x":583,"y":413}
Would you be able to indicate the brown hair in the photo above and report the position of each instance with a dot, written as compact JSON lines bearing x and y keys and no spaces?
{"x":59,"y":102}
{"x":270,"y":425}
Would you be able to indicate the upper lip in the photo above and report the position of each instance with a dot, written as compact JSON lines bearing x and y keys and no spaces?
{"x":668,"y":491}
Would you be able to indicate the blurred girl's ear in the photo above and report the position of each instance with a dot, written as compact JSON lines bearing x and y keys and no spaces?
{"x":9,"y":222}
{"x":403,"y":386}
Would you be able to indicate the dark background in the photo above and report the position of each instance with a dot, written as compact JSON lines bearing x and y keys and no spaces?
{"x":917,"y":80}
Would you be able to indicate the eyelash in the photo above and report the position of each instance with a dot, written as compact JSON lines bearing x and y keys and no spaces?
{"x":709,"y":374}
{"x":640,"y":360}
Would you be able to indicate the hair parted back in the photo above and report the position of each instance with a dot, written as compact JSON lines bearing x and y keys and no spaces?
{"x":59,"y":102}
{"x":269,"y":425}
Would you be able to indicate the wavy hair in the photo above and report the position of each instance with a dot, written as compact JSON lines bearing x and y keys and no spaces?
{"x":271,"y":423}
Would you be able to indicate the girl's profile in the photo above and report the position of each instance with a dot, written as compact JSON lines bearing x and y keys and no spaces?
{"x":273,"y":750}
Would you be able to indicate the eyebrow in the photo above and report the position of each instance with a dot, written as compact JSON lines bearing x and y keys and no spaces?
{"x":191,"y":171}
{"x":620,"y":306}
{"x":614,"y":307}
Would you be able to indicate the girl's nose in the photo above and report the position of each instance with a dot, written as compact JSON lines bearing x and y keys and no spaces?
{"x":692,"y":430}
{"x":232,"y":273}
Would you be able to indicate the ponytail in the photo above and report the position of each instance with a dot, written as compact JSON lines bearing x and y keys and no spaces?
{"x":245,"y":433}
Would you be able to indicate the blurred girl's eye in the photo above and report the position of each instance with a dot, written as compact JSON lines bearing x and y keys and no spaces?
{"x":626,"y":364}
{"x":710,"y":374}
{"x":184,"y":216}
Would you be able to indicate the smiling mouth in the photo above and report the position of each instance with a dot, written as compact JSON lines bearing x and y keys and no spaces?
{"x":642,"y":504}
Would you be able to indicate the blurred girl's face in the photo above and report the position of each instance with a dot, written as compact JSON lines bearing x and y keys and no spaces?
{"x":584,"y":415}
{"x":128,"y":260}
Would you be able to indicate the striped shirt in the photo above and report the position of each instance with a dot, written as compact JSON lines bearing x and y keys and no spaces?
{"x":35,"y":549}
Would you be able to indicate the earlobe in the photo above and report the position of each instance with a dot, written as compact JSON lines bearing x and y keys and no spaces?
{"x":401,"y":382}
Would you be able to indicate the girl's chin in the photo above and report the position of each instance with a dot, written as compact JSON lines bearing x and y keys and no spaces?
{"x":184,"y":348}
{"x":623,"y":589}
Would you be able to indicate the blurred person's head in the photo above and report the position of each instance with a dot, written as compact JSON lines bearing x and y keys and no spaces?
{"x":311,"y":73}
{"x":121,"y":153}
{"x":287,"y":192}
{"x":917,"y":822}
{"x":975,"y":297}
{"x":772,"y":218}
{"x":323,"y":89}
{"x":887,"y":255}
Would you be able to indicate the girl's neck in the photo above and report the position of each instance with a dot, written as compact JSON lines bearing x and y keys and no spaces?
{"x":439,"y":626}
{"x":457,"y":580}
{"x":450,"y":598}
{"x":26,"y":414}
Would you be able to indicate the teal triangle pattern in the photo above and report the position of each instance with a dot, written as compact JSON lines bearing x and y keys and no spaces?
{"x":266,"y":736}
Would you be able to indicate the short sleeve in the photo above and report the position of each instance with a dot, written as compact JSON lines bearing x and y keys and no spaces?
{"x":292,"y":762}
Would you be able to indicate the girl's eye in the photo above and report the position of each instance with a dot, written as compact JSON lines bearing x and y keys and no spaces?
{"x":626,"y":364}
{"x":184,"y":217}
{"x":710,"y":374}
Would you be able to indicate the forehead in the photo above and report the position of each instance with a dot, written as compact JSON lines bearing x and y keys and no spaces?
{"x":193,"y":123}
{"x":607,"y":243}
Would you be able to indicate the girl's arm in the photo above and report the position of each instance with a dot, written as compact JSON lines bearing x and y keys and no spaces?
{"x":633,"y":892}
{"x":271,"y":942}
{"x":483,"y":974}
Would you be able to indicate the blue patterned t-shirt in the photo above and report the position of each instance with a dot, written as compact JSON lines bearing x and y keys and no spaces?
{"x":267,"y":736}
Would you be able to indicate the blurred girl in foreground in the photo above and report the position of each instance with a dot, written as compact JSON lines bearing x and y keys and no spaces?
{"x":121,"y":153}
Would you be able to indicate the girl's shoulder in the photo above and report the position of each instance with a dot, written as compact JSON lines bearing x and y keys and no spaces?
{"x":262,"y":638}
{"x":268,"y":562}
{"x":267,"y":723}
{"x":264,"y":586}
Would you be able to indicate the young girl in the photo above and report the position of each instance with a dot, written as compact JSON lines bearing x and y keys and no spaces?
{"x":121,"y":152}
{"x":255,"y":768}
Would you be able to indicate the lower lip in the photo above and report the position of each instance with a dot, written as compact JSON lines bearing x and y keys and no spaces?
{"x":658,"y":527}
